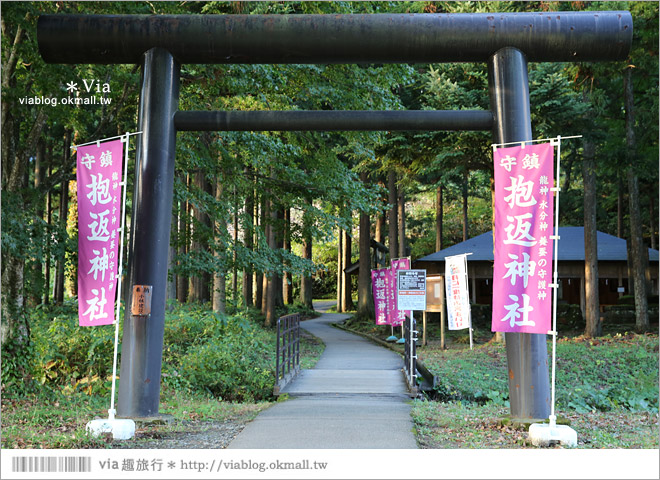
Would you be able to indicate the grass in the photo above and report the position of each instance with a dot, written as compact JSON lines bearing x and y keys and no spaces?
{"x":53,"y":419}
{"x":458,"y":424}
{"x":54,"y":414}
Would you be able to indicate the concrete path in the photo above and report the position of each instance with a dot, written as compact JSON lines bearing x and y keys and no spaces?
{"x":355,"y":397}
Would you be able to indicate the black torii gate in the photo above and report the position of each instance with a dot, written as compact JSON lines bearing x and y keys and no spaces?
{"x":161,"y":43}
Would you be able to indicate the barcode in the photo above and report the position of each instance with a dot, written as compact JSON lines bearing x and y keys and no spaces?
{"x":51,"y":464}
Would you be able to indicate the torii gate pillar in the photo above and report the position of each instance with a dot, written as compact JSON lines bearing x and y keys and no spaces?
{"x":527,"y":353}
{"x":142,"y":344}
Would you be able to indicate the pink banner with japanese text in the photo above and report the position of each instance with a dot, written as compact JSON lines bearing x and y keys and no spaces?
{"x":380,"y":289}
{"x":398,"y":316}
{"x":98,"y":175}
{"x":522,"y":272}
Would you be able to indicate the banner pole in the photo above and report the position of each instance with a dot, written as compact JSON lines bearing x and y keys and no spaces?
{"x":542,"y":434}
{"x":124,"y":184}
{"x":555,"y":287}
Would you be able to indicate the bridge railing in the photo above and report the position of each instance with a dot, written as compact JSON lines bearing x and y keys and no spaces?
{"x":287,"y":363}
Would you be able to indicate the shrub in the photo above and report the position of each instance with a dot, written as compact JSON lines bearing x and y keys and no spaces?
{"x":231,"y":364}
{"x":72,"y":356}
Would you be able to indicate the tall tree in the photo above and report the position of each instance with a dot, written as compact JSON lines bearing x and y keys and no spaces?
{"x":346,"y":285}
{"x":219,"y":275}
{"x":438,"y":218}
{"x":592,"y":311}
{"x":364,"y":273}
{"x":392,"y":214}
{"x":636,"y":242}
{"x":306,"y":296}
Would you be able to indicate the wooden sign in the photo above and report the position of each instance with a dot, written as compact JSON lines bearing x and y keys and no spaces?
{"x":435,"y":291}
{"x":141,"y":303}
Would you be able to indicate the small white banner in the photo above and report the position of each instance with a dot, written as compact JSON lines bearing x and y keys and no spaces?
{"x":458,"y":299}
{"x":411,"y":289}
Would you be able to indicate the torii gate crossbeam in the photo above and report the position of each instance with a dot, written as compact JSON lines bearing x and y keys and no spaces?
{"x":161,"y":43}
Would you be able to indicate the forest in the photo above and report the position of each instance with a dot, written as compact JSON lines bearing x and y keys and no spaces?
{"x":268,"y":220}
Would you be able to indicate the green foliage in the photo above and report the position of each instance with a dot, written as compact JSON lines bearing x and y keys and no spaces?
{"x":71,"y":357}
{"x":231,"y":362}
{"x":17,"y":368}
{"x":592,"y":375}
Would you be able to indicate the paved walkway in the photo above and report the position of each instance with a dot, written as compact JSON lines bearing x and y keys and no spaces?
{"x":355,"y":397}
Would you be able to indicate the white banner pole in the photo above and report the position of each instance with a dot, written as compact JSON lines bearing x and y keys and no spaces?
{"x":539,"y":433}
{"x":124,"y":184}
{"x":555,"y":286}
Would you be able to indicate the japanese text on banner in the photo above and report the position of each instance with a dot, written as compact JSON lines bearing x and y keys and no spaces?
{"x":458,"y":300}
{"x":522,"y":272}
{"x":99,"y":176}
{"x":380,"y":280}
{"x":398,"y":316}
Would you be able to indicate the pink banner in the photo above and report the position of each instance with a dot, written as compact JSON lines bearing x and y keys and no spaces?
{"x":398,"y":316}
{"x":380,"y":288}
{"x":522,"y":272}
{"x":98,"y":173}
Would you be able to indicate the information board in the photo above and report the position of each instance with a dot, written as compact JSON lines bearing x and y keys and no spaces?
{"x":411,"y":289}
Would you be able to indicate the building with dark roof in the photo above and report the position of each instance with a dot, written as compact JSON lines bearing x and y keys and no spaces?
{"x":612,"y":266}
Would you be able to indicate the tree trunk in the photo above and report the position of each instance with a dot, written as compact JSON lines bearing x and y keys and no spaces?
{"x":200,"y":281}
{"x":64,"y":211}
{"x":392,"y":217}
{"x":306,"y":295}
{"x":380,"y":226}
{"x":636,"y":242}
{"x":279,"y":246}
{"x":364,"y":274}
{"x":183,"y":227}
{"x":49,"y":221}
{"x":438,"y":218}
{"x":346,"y":285}
{"x":219,"y":279}
{"x":265,"y":224}
{"x":234,"y":276}
{"x":287,"y":285}
{"x":592,"y":311}
{"x":340,"y":269}
{"x":401,"y":211}
{"x":652,"y":224}
{"x":37,"y":278}
{"x":274,"y":283}
{"x":249,"y":244}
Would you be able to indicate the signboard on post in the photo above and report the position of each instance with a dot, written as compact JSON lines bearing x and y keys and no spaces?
{"x":98,"y":175}
{"x":411,"y":289}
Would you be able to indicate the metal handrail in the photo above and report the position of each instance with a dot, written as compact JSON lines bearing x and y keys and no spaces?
{"x":410,"y":353}
{"x":287,"y":362}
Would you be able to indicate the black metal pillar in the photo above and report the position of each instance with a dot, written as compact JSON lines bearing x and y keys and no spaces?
{"x":527,"y":354}
{"x":142,"y":346}
{"x":334,"y":120}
